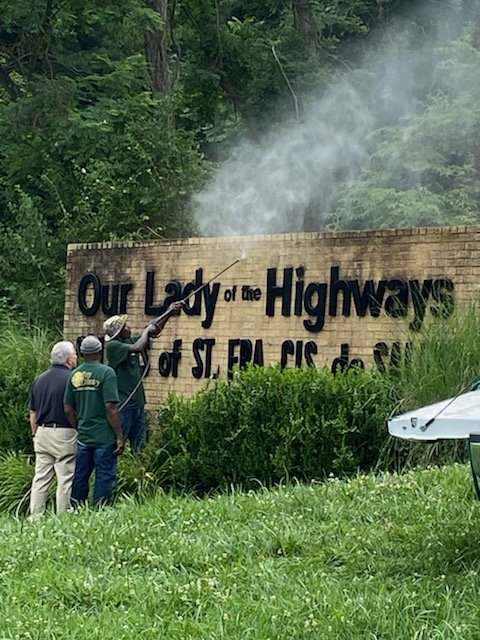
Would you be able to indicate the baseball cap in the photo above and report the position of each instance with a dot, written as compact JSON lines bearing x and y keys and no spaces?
{"x":112,"y":326}
{"x":90,"y":344}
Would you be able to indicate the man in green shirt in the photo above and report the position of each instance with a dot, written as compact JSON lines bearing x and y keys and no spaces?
{"x":123,"y":355}
{"x":90,"y":402}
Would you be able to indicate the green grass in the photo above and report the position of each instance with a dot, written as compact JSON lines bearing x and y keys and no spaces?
{"x":386,"y":557}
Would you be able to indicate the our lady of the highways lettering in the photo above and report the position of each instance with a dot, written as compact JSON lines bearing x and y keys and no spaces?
{"x":287,"y":292}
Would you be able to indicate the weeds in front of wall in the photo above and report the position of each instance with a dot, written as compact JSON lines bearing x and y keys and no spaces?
{"x":266,"y":425}
{"x":16,"y":473}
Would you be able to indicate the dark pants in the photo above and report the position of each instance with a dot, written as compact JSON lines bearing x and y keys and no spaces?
{"x":102,"y":460}
{"x":133,"y":427}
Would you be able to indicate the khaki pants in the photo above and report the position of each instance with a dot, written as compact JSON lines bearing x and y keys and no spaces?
{"x":55,"y":450}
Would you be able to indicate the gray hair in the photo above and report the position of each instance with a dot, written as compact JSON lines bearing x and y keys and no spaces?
{"x":60,"y":352}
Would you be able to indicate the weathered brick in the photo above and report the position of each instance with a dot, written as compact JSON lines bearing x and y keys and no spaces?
{"x":410,"y":255}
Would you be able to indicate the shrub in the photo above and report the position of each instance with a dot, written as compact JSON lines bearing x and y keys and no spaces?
{"x":269,"y":424}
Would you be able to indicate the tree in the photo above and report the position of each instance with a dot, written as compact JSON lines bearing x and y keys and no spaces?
{"x":88,"y":151}
{"x":426,"y":171}
{"x":250,"y":64}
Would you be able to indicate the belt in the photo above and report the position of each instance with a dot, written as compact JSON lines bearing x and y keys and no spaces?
{"x":55,"y":425}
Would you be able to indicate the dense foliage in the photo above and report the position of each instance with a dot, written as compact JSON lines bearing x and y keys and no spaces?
{"x":24,"y":354}
{"x":425,"y":171}
{"x":89,"y":150}
{"x":269,"y":425}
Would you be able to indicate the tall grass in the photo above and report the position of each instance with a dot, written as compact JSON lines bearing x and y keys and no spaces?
{"x":24,"y":354}
{"x":443,"y":362}
{"x":444,"y":359}
{"x":16,"y":473}
{"x":387,"y":557}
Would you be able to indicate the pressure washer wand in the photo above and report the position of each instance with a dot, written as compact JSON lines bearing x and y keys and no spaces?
{"x":195,"y":291}
{"x":205,"y":284}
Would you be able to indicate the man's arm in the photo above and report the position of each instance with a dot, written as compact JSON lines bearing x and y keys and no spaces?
{"x":142,"y":341}
{"x":173,"y":310}
{"x":114,"y":419}
{"x":154,"y":328}
{"x":33,"y":421}
{"x":71,"y":415}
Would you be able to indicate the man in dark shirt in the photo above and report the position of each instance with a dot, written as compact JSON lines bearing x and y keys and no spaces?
{"x":54,"y":439}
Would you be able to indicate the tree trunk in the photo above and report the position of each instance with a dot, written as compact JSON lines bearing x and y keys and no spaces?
{"x":156,"y":48}
{"x":305,"y":22}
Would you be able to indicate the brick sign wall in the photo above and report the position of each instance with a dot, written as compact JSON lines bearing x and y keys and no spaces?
{"x":320,"y":299}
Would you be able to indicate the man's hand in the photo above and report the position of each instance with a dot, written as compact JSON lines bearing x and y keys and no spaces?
{"x":175,"y":308}
{"x":154,"y":327}
{"x":120,"y":446}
